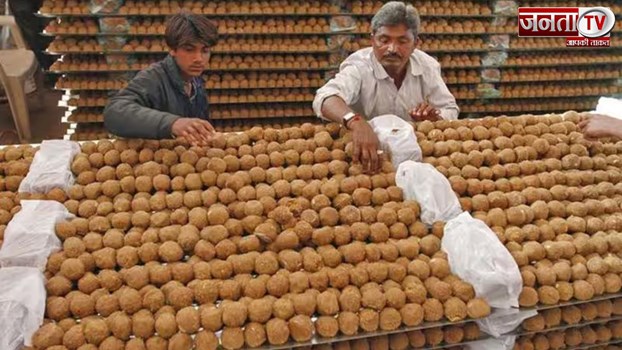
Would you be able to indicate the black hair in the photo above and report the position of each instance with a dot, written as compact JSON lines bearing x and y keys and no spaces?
{"x":186,"y":28}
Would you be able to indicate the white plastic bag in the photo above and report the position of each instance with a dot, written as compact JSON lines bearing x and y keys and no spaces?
{"x":505,"y":342}
{"x":609,"y":106}
{"x":22,"y":305}
{"x":423,"y":183}
{"x":397,"y":137}
{"x":476,"y":255}
{"x":502,"y":321}
{"x":30,"y":237}
{"x":51,"y":167}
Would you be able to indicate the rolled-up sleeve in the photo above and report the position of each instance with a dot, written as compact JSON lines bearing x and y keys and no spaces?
{"x":439,"y":96}
{"x":346,"y":84}
{"x":130,"y":112}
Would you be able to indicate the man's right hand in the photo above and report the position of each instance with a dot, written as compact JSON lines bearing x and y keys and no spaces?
{"x":365,"y":142}
{"x":197,"y":132}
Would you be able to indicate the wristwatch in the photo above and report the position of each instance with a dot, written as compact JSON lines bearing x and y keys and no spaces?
{"x":349,"y":117}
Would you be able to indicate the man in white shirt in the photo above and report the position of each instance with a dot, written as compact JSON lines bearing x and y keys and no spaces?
{"x":391,"y":77}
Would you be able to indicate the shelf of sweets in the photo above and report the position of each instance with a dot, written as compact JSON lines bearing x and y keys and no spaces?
{"x":479,"y":45}
{"x":276,"y":62}
{"x":450,"y":336}
{"x":99,"y":84}
{"x":350,"y":47}
{"x":94,"y":116}
{"x":137,"y":26}
{"x":596,"y":310}
{"x":519,"y":75}
{"x":462,"y":93}
{"x":145,"y":26}
{"x":241,"y":81}
{"x":314,"y":44}
{"x":91,"y":122}
{"x":444,"y":8}
{"x":559,"y":90}
{"x":588,"y":336}
{"x":507,"y":107}
{"x":572,"y":317}
{"x":215,"y":81}
{"x":84,"y":132}
{"x":54,"y":8}
{"x":311,"y":44}
{"x":98,"y":99}
{"x":74,"y":64}
{"x":528,"y":106}
{"x":530,"y":91}
{"x":570,"y":58}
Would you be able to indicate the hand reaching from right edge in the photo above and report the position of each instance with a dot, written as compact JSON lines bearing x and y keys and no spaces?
{"x":598,"y":125}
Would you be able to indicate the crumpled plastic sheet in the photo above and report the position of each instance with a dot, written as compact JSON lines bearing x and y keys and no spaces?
{"x":423,"y":183}
{"x":22,"y":305}
{"x":505,"y":7}
{"x":119,"y":25}
{"x":503,"y":343}
{"x":494,"y":59}
{"x":397,"y":138}
{"x":476,"y":255}
{"x":501,"y":42}
{"x":30,"y":237}
{"x":503,"y":321}
{"x":51,"y":167}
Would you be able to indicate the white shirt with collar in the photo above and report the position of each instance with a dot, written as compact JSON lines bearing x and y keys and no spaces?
{"x":366,"y":87}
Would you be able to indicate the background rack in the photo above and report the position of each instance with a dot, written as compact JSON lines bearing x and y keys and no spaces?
{"x":490,"y":70}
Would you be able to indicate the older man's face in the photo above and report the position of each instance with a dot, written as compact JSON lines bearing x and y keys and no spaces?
{"x":393,"y":45}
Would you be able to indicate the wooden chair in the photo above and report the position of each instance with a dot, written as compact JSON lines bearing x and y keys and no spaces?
{"x":16,"y":65}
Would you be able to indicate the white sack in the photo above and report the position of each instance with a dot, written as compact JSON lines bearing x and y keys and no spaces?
{"x":30,"y":237}
{"x":51,"y":167}
{"x":397,"y":137}
{"x":22,"y":305}
{"x":423,"y":183}
{"x":476,"y":255}
{"x":502,"y":321}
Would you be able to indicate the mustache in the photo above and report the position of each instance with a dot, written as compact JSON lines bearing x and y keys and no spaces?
{"x":392,"y":55}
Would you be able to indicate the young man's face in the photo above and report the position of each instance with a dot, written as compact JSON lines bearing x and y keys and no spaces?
{"x":191,"y":58}
{"x":393,"y":45}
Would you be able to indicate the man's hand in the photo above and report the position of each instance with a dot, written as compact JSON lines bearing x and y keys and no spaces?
{"x":425,"y":112}
{"x":365,"y":144}
{"x":197,"y":132}
{"x":598,"y":125}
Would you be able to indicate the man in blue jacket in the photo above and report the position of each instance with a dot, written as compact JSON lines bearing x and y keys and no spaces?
{"x":168,"y":99}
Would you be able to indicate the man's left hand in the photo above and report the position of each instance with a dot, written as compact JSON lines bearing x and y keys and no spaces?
{"x":425,"y":111}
